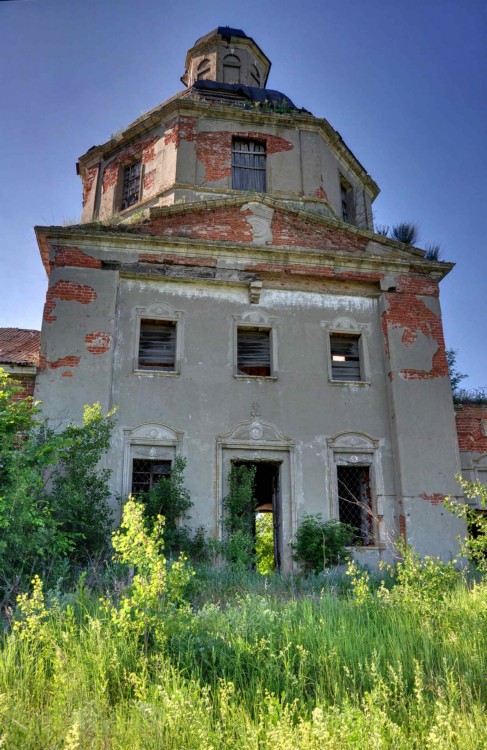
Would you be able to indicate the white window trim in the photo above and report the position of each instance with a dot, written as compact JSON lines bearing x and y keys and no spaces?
{"x":348,"y":327}
{"x":263,"y":322}
{"x":163,"y":312}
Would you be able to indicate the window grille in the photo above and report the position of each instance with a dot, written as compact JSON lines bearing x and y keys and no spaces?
{"x":131,"y":184}
{"x":354,"y":502}
{"x":248,"y":165}
{"x":345,"y":357}
{"x":147,"y":472}
{"x":157,"y":345}
{"x":253,"y":352}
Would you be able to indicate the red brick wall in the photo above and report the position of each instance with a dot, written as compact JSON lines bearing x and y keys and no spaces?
{"x":469,"y":428}
{"x":68,"y":291}
{"x":214,"y":150}
{"x":26,"y":383}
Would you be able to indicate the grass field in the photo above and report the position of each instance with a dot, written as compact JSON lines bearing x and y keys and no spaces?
{"x":253,"y":662}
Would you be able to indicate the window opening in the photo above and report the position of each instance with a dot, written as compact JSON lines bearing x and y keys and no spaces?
{"x":203,"y":70}
{"x":265,"y":514}
{"x":253,"y":352}
{"x":346,"y":194}
{"x":355,"y":503}
{"x":131,"y":184}
{"x":248,"y":165}
{"x":146,"y":472}
{"x":231,"y":69}
{"x":345,"y":357}
{"x":157,"y":345}
{"x":255,"y":75}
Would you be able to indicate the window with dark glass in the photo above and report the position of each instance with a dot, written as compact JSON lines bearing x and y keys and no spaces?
{"x":157,"y":345}
{"x":131,"y":184}
{"x":146,"y":472}
{"x":248,"y":165}
{"x":345,"y":357}
{"x":254,"y":352}
{"x":355,"y":503}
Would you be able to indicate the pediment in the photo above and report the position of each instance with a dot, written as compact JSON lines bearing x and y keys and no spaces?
{"x":255,"y":431}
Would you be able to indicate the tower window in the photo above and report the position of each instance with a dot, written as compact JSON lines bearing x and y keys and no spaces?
{"x":231,"y":69}
{"x":347,"y":203}
{"x":131,"y":184}
{"x":254,"y":75}
{"x":203,"y":70}
{"x":248,"y":165}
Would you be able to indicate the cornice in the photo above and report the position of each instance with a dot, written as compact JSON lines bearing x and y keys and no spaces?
{"x":86,"y":236}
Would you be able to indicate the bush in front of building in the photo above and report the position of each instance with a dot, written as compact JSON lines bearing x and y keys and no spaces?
{"x":320,"y":544}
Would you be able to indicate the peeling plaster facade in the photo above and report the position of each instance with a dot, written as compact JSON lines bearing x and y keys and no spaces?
{"x":198,"y":254}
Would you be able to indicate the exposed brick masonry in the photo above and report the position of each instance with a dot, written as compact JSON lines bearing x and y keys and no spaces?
{"x":469,"y":428}
{"x":214,"y":151}
{"x":292,"y":231}
{"x":73,"y":256}
{"x":144,"y":147}
{"x":407,"y":312}
{"x":67,"y":291}
{"x":176,"y":260}
{"x":88,"y":178}
{"x":26,"y":383}
{"x":220,"y":224}
{"x":98,"y":342}
{"x":180,"y":129}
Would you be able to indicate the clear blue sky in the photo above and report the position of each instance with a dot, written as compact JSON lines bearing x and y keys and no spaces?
{"x":403,"y":81}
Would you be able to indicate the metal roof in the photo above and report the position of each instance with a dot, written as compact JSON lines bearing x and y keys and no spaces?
{"x":19,"y":346}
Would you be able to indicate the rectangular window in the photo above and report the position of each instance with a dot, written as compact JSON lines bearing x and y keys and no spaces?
{"x":146,"y":473}
{"x":345,"y":357}
{"x":131,"y":184}
{"x":248,"y":165}
{"x":254,"y":352}
{"x":355,"y":503}
{"x":347,"y":202}
{"x":157,"y":345}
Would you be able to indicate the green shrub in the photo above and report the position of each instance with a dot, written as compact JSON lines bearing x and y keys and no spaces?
{"x":53,"y":496}
{"x":474,"y":546}
{"x":264,"y":542}
{"x":320,"y":543}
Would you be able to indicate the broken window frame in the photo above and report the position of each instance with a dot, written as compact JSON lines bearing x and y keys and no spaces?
{"x":249,"y":165}
{"x":130,"y":185}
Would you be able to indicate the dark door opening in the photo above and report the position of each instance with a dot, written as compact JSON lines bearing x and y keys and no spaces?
{"x":266,"y":513}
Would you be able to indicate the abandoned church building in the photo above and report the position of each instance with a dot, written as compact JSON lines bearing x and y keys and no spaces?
{"x":227,"y":292}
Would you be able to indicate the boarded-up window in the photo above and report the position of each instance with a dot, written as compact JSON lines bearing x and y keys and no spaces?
{"x":146,"y":472}
{"x":231,"y":69}
{"x":345,"y":357}
{"x":157,"y":345}
{"x":131,"y":184}
{"x":248,"y":165}
{"x":253,"y":352}
{"x":254,"y":76}
{"x":354,"y":501}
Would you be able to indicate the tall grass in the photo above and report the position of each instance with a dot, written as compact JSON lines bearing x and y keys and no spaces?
{"x":274,"y":665}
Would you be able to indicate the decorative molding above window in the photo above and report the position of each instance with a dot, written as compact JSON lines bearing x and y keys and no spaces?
{"x":255,"y":346}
